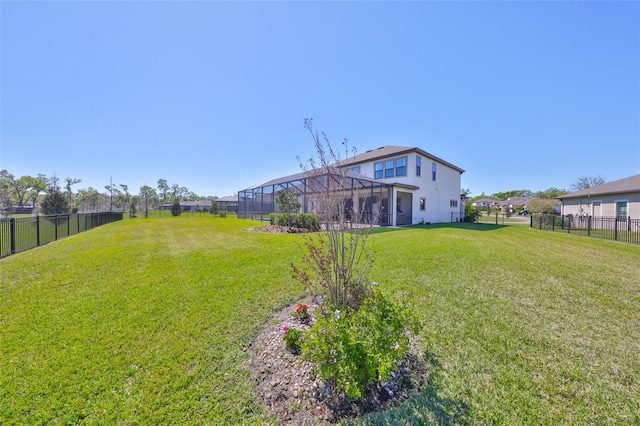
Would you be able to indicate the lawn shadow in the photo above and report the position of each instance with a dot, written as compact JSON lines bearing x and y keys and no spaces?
{"x":453,"y":225}
{"x":426,"y":407}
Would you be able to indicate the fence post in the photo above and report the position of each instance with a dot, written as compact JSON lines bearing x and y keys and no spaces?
{"x":496,"y":218}
{"x":629,"y":223}
{"x":553,"y":223}
{"x":588,"y":226}
{"x":12,"y":234}
{"x":531,"y":221}
{"x":56,"y":228}
{"x":38,"y":230}
{"x":68,"y":225}
{"x":615,"y":230}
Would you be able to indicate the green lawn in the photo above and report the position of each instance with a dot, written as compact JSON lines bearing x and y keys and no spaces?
{"x":149,"y":321}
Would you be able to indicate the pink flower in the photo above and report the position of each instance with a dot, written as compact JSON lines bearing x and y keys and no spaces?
{"x":285,"y":328}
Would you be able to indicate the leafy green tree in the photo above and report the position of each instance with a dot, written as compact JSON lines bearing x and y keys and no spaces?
{"x":288,"y":203}
{"x":69,"y":182}
{"x":125,"y":198}
{"x":163,"y":190}
{"x":55,"y":202}
{"x":550,"y":193}
{"x":214,"y":208}
{"x":147,"y":197}
{"x":88,"y":199}
{"x":542,"y":205}
{"x":132,"y":209}
{"x":471,"y":212}
{"x":176,"y":208}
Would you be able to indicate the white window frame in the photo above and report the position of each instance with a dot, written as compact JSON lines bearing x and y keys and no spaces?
{"x":626,"y":208}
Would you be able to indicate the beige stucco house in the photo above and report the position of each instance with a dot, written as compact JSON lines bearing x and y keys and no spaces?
{"x":620,"y":198}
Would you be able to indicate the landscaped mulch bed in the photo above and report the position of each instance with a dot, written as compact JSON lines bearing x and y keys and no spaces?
{"x":291,"y":392}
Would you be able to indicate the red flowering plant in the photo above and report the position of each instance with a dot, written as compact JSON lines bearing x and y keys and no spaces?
{"x":302,"y":312}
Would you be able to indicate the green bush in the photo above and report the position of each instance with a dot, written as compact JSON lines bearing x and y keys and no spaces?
{"x":222,"y":213}
{"x":293,"y":338}
{"x":471,"y":213}
{"x":176,"y":208}
{"x":360,"y":347}
{"x":298,"y":220}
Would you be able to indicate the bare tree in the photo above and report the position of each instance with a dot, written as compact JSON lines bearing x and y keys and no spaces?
{"x":585,"y":182}
{"x":337,"y":262}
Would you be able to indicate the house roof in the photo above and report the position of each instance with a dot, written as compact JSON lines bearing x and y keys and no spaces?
{"x":196,"y":203}
{"x":393,"y":151}
{"x":516,"y":201}
{"x":485,"y":200}
{"x":303,"y":175}
{"x":228,"y":198}
{"x":630,"y":184}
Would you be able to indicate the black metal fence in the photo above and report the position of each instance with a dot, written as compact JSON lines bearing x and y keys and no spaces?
{"x":622,"y":229}
{"x":24,"y":233}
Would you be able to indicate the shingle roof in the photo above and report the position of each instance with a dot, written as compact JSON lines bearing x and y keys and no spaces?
{"x":630,"y":184}
{"x":228,"y":198}
{"x":516,"y":201}
{"x":392,"y":151}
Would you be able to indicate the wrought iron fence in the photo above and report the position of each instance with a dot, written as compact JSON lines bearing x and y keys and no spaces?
{"x":622,"y":229}
{"x":24,"y":233}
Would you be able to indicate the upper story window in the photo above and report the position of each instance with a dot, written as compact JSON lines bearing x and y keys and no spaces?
{"x":355,"y":169}
{"x":377,"y":170}
{"x":433,"y":171}
{"x":418,"y":165}
{"x":401,"y":166}
{"x":453,"y":203}
{"x":390,"y":168}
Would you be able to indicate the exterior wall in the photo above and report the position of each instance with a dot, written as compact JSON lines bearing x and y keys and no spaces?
{"x":437,"y":194}
{"x":589,"y":206}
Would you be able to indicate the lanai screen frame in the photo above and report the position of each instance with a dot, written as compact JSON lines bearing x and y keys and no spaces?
{"x":258,"y":202}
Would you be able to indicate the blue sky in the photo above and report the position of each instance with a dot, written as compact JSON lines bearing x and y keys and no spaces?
{"x":212,"y":95}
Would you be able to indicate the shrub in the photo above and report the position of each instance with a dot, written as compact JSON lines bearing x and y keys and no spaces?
{"x":223,"y":213}
{"x":471,"y":213}
{"x":359,"y":334}
{"x":293,"y":339}
{"x":298,"y":220}
{"x":176,"y":208}
{"x":357,"y":348}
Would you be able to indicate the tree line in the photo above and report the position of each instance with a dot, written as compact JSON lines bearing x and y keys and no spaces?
{"x":51,"y":195}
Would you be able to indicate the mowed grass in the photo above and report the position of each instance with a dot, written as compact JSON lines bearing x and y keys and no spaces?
{"x":150,"y":321}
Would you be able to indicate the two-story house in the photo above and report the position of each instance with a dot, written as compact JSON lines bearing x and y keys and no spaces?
{"x":406,"y":185}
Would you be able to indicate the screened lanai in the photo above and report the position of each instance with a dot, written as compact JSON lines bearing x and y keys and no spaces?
{"x":259,"y":201}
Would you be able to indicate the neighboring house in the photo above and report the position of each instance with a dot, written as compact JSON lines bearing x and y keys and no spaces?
{"x":485,"y":203}
{"x":196,"y":206}
{"x":515,"y":203}
{"x":405,"y":185}
{"x":620,"y":198}
{"x":228,"y":203}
